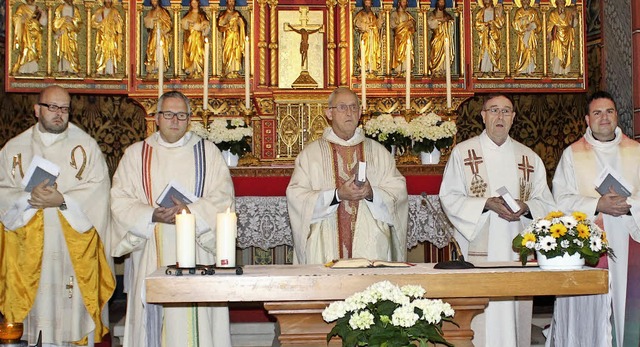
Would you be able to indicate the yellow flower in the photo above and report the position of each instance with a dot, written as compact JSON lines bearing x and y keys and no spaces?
{"x":583,"y":231}
{"x":558,"y":230}
{"x":604,"y":238}
{"x":554,"y":214}
{"x":579,"y":216}
{"x":528,"y":237}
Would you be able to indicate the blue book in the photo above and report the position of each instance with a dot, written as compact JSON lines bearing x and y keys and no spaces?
{"x":40,"y":170}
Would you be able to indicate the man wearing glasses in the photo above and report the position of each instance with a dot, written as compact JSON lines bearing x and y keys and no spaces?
{"x":53,"y":251}
{"x":144,"y":227}
{"x":332,"y":215}
{"x":477,"y":169}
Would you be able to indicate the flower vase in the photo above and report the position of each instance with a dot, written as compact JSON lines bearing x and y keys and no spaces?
{"x":432,"y":157}
{"x":565,"y":262}
{"x":230,"y":158}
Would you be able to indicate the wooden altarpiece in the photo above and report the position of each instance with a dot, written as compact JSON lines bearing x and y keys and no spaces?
{"x":297,"y":53}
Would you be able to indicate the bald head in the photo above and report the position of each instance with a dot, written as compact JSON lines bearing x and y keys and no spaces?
{"x":52,"y":110}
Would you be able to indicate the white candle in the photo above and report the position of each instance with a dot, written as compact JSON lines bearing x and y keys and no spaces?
{"x":226,"y":232}
{"x":363,"y":73}
{"x":205,"y":83}
{"x":185,"y":240}
{"x":160,"y":62}
{"x":247,"y":72}
{"x":407,"y":67}
{"x":447,"y":67}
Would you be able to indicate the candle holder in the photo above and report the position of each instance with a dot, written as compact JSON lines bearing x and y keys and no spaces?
{"x":178,"y":271}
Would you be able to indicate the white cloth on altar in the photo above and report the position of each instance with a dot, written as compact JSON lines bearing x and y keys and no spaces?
{"x":380,"y":231}
{"x":483,"y":236}
{"x":152,"y":245}
{"x":87,"y":200}
{"x":574,"y":190}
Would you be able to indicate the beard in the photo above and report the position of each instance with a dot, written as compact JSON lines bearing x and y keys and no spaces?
{"x":54,"y":128}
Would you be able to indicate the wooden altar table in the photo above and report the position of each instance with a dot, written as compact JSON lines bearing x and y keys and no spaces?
{"x":297,"y":294}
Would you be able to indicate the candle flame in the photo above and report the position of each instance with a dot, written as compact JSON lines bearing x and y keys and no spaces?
{"x":206,"y":40}
{"x":229,"y":209}
{"x":184,"y":211}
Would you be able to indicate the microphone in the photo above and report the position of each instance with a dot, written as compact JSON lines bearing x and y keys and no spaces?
{"x":442,"y":222}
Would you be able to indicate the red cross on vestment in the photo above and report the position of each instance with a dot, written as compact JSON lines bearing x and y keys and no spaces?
{"x":473,"y":161}
{"x":525,"y":167}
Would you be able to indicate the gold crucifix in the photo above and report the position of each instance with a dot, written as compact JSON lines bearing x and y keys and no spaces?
{"x":304,"y":29}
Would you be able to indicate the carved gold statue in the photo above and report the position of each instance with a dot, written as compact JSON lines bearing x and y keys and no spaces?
{"x":157,"y":20}
{"x":28,"y":21}
{"x":66,"y":25}
{"x":527,"y":25}
{"x":232,"y":25}
{"x":367,"y":24}
{"x":489,"y":21}
{"x":561,"y":34}
{"x":196,"y":27}
{"x":404,"y":26}
{"x":440,"y":23}
{"x":109,"y":33}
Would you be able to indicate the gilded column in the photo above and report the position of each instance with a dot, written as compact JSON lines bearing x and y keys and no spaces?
{"x":176,"y":7}
{"x":127,"y":38}
{"x":88,"y":7}
{"x":139,"y":10}
{"x":49,"y":5}
{"x":331,"y":43}
{"x":273,"y":42}
{"x":262,"y":43}
{"x":424,"y":11}
{"x":387,"y":25}
{"x":212,"y":12}
{"x":343,"y":43}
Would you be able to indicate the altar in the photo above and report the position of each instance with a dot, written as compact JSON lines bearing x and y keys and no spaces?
{"x":297,"y":294}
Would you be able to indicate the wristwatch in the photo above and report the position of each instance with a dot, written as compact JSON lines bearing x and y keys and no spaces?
{"x":63,"y":206}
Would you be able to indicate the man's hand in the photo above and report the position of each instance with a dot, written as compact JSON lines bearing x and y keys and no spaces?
{"x":613,"y":204}
{"x":350,"y":191}
{"x":499,"y":206}
{"x":44,"y":196}
{"x":167,"y":215}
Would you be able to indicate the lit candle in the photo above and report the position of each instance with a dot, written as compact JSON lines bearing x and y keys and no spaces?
{"x":160,"y":62}
{"x":407,"y":72}
{"x":205,"y":83}
{"x":226,"y":232}
{"x":363,"y":73}
{"x":247,"y":72}
{"x":185,"y":240}
{"x":447,"y":67}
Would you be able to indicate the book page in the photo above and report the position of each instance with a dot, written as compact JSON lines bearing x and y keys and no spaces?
{"x":39,"y":170}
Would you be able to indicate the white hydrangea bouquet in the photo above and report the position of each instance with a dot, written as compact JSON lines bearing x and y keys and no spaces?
{"x":430,"y":131}
{"x":557,"y":234}
{"x":389,"y":130}
{"x":231,"y":134}
{"x":387,"y":315}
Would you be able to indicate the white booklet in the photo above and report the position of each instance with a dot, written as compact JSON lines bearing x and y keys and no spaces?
{"x":361,"y":173}
{"x":39,"y":170}
{"x":174,"y":189}
{"x":610,"y":178}
{"x":508,"y":198}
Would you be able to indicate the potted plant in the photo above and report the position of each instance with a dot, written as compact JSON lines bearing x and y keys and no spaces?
{"x":387,"y":315}
{"x":562,"y":241}
{"x":430,"y":134}
{"x":231,"y":135}
{"x":392,"y":132}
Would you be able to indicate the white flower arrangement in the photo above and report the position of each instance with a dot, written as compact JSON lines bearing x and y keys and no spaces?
{"x":389,"y":130}
{"x":231,"y":134}
{"x":557,"y":234}
{"x":429,"y":131}
{"x":387,"y":315}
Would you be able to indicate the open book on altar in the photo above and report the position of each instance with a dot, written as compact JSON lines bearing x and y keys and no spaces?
{"x":354,"y":263}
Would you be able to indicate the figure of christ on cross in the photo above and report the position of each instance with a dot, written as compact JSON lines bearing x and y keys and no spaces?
{"x":304,"y":29}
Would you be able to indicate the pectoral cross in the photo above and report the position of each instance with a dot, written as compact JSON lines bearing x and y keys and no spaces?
{"x":69,"y":287}
{"x":304,"y":29}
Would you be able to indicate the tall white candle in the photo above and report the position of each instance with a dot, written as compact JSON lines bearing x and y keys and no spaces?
{"x":226,"y":232}
{"x":160,"y":62}
{"x":247,"y":72}
{"x":407,"y":67}
{"x":205,"y":83}
{"x":447,"y":67}
{"x":363,"y":73}
{"x":185,"y":240}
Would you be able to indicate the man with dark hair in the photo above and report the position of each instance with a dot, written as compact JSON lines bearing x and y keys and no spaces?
{"x":54,"y":271}
{"x":472,"y":197}
{"x":147,"y":232}
{"x":603,"y":150}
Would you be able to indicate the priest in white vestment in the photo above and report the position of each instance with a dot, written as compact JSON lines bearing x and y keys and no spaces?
{"x":485,"y":224}
{"x":334,"y":217}
{"x":55,"y":272}
{"x":147,"y":233}
{"x":586,"y":320}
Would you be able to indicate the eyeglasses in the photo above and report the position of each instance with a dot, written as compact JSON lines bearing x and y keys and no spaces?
{"x":55,"y":108}
{"x":169,"y":115}
{"x":496,"y":111}
{"x":344,"y":108}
